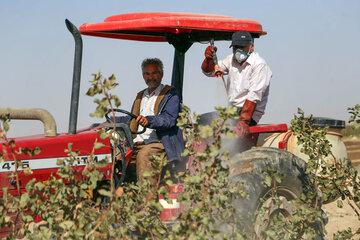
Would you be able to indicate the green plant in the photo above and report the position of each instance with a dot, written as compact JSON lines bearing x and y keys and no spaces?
{"x":351,"y":130}
{"x":354,"y":113}
{"x":354,"y":129}
{"x":64,"y":204}
{"x":130,"y":212}
{"x":207,"y":192}
{"x":335,"y":177}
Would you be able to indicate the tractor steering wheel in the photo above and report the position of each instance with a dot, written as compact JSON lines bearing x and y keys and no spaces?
{"x":110,"y":120}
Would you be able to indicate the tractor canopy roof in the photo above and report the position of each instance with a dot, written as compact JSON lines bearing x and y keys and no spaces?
{"x":164,"y":27}
{"x":179,"y":29}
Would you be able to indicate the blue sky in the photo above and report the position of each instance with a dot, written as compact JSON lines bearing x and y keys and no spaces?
{"x":312,"y":48}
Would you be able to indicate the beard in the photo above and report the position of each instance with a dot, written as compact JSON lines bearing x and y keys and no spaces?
{"x":153,"y":83}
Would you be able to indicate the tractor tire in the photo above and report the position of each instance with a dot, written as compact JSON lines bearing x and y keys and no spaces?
{"x":250,"y":168}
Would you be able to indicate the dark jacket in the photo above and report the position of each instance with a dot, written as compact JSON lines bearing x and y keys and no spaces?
{"x":164,"y":122}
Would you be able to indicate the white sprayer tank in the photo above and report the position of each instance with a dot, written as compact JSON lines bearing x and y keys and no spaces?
{"x":288,"y":141}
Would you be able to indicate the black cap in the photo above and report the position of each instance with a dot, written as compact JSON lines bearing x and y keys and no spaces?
{"x":241,"y":38}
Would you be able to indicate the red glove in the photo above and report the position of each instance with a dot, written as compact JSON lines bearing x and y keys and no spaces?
{"x":243,"y":127}
{"x":245,"y":117}
{"x":209,"y":51}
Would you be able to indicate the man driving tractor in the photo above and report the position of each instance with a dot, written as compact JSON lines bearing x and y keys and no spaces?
{"x":248,"y":78}
{"x":157,"y":108}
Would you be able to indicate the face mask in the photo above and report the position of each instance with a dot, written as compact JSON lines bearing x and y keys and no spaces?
{"x":241,"y":55}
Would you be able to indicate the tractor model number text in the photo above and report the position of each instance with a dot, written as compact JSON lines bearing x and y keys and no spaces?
{"x":8,"y":165}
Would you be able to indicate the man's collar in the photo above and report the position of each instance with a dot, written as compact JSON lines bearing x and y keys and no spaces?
{"x":251,"y":59}
{"x":155,"y":92}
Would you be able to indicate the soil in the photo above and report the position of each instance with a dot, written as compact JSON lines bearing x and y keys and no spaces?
{"x":345,"y":217}
{"x":340,"y":219}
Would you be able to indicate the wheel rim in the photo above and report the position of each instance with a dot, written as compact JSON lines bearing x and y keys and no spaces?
{"x":281,"y":208}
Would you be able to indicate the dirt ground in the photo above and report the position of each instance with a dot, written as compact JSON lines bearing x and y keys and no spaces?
{"x":340,"y":219}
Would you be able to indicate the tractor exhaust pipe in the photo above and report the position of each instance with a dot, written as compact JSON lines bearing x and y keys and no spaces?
{"x":74,"y":105}
{"x":32,"y":114}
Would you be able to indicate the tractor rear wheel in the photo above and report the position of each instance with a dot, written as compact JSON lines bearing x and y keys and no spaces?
{"x":258,"y":210}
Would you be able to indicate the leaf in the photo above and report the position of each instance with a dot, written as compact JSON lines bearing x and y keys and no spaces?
{"x":6,"y":126}
{"x":105,"y":193}
{"x":98,"y":145}
{"x":25,"y":198}
{"x":102,"y":163}
{"x":67,"y":225}
{"x":340,"y":204}
{"x":30,"y":185}
{"x":37,"y":150}
{"x":116,"y":100}
{"x":90,"y":92}
{"x":277,"y":178}
{"x":169,"y":182}
{"x":28,"y":171}
{"x":5,"y":191}
{"x":27,"y":218}
{"x":205,"y":131}
{"x":60,"y":162}
{"x":119,"y":192}
{"x":147,"y":174}
{"x":39,"y":186}
{"x":103,"y":135}
{"x":268,"y":181}
{"x":79,"y":232}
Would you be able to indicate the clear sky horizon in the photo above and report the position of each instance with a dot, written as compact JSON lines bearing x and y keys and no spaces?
{"x":312,"y":48}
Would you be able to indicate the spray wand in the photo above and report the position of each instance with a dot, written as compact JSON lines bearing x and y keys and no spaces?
{"x":218,"y":72}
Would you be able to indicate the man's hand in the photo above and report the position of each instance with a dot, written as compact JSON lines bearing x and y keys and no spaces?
{"x":142,"y":121}
{"x":243,"y":127}
{"x":209,"y":51}
{"x":246,"y":114}
{"x":208,"y":64}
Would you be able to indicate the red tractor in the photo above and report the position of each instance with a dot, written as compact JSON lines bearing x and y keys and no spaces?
{"x":182,"y":31}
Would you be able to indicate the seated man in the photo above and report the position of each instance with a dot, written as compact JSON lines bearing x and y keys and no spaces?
{"x":157,"y":108}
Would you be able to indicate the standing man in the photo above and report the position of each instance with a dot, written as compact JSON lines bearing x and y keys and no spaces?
{"x":157,"y":108}
{"x":248,"y":78}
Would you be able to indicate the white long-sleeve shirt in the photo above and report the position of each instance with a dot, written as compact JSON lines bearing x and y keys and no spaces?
{"x":250,"y":81}
{"x":147,"y":109}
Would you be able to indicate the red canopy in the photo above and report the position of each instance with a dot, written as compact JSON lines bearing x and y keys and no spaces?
{"x":159,"y":27}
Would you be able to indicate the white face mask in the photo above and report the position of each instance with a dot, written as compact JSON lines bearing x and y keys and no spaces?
{"x":241,"y":55}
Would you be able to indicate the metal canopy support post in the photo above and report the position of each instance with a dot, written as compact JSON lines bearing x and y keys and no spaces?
{"x":178,"y":71}
{"x":74,"y":105}
{"x":181,"y":45}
